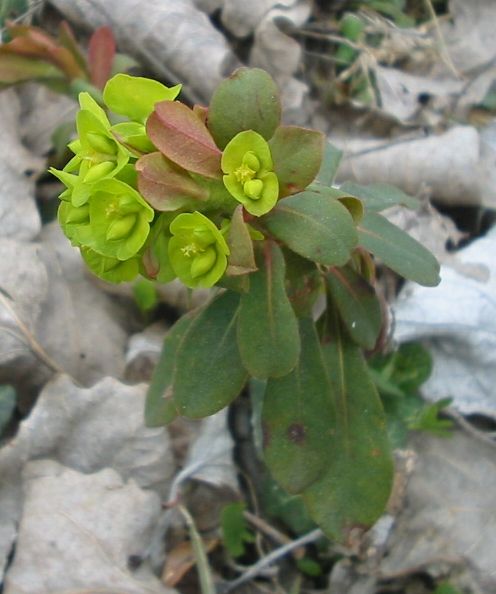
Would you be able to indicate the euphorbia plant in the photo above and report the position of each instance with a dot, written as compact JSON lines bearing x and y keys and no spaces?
{"x":227,"y":197}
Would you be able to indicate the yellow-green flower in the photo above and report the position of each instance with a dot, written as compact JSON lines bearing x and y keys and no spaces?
{"x":110,"y":269}
{"x":197,"y":250}
{"x":249,"y":176}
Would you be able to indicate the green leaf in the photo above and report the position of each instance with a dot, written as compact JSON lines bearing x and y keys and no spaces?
{"x":247,"y":100}
{"x":242,"y":258}
{"x":209,"y":373}
{"x":145,"y":295}
{"x":427,"y":419}
{"x":179,"y":134}
{"x":398,"y":250}
{"x":135,"y":96}
{"x":160,"y":408}
{"x":235,"y":533}
{"x":378,"y":197}
{"x":330,"y":163}
{"x":354,"y":489}
{"x":303,"y":283}
{"x":166,"y":186}
{"x":298,"y":417}
{"x":297,"y":156}
{"x":267,"y":328}
{"x":357,"y":303}
{"x":315,"y":226}
{"x":15,"y":69}
{"x":7,"y":405}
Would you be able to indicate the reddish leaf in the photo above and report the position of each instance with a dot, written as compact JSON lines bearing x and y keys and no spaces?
{"x":66,"y":39}
{"x":35,"y":43}
{"x":178,"y":133}
{"x":101,"y":53}
{"x":165,"y":186}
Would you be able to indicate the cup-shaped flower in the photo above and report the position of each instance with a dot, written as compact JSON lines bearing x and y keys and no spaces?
{"x":119,"y":220}
{"x":197,"y":250}
{"x":74,"y":220}
{"x":110,"y":269}
{"x":249,"y":176}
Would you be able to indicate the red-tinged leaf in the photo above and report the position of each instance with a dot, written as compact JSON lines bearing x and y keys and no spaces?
{"x":15,"y":69}
{"x":35,"y":43}
{"x":101,"y":53}
{"x":66,"y":39}
{"x":165,"y":186}
{"x":178,"y":133}
{"x":297,"y":155}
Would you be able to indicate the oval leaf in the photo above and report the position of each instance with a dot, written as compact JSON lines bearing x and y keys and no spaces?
{"x":268,"y":337}
{"x":380,"y":196}
{"x":178,"y":133}
{"x":165,"y":186}
{"x":330,"y":163}
{"x":357,"y":304}
{"x":353,"y":491}
{"x":242,"y":257}
{"x":314,"y":225}
{"x":247,"y":100}
{"x":398,"y":250}
{"x":160,"y":409}
{"x":101,"y":53}
{"x":297,"y":156}
{"x":209,"y":373}
{"x":298,"y":417}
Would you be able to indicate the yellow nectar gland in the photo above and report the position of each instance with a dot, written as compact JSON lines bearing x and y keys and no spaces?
{"x":189,"y":250}
{"x":244,"y":173}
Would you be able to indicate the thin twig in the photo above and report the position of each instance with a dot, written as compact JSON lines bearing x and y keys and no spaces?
{"x":462,"y":422}
{"x":442,"y":43}
{"x":271,"y":558}
{"x":34,"y":345}
{"x":273,"y":533}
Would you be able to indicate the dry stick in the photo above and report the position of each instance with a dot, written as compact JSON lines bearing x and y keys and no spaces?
{"x":272,"y":557}
{"x":271,"y":532}
{"x":444,"y":48}
{"x":34,"y":345}
{"x":462,"y":422}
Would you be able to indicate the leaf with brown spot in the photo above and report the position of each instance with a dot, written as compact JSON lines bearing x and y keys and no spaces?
{"x":298,"y":415}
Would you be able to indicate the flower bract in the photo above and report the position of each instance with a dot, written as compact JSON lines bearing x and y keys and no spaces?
{"x":110,"y":269}
{"x":249,"y":176}
{"x":197,"y":250}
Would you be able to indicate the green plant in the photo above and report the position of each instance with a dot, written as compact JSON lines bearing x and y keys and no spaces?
{"x":227,"y":197}
{"x":398,"y":377}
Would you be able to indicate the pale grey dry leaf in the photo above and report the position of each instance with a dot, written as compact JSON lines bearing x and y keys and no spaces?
{"x":457,"y":166}
{"x":143,"y":352}
{"x":457,"y":321}
{"x":42,"y":112}
{"x":469,"y":34}
{"x":171,"y":37}
{"x":242,"y":18}
{"x":24,"y":284}
{"x":78,"y":532}
{"x":450,"y":512}
{"x":81,"y":328}
{"x":400,"y":92}
{"x":208,"y":6}
{"x":19,"y":217}
{"x":210,"y":456}
{"x":428,"y":226}
{"x":85,"y":429}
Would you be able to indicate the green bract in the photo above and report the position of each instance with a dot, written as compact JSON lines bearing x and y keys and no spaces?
{"x":119,"y":220}
{"x":110,"y":269}
{"x":98,"y":155}
{"x":135,"y":96}
{"x":250,"y":178}
{"x":197,"y":250}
